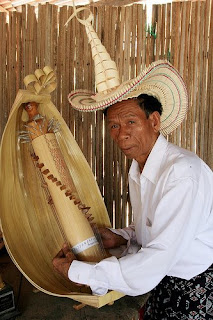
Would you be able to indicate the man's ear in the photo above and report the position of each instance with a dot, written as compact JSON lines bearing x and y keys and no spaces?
{"x":155,"y":120}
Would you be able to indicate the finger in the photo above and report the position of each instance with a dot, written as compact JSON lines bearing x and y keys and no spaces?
{"x":65,"y":249}
{"x":60,"y":254}
{"x":67,"y":252}
{"x":79,"y":284}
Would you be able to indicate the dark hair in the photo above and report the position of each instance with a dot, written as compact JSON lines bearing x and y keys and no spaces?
{"x":147,"y":103}
{"x":26,"y":103}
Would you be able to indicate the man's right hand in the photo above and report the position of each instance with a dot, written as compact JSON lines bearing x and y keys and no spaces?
{"x":110,"y":239}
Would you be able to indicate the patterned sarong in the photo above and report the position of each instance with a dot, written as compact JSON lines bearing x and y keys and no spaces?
{"x":180,"y":299}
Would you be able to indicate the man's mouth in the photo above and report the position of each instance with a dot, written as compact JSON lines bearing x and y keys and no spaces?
{"x":126,"y":149}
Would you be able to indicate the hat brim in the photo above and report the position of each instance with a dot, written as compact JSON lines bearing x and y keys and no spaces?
{"x":160,"y":80}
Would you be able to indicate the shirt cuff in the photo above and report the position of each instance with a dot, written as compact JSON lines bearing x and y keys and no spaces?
{"x":79,"y":272}
{"x":82,"y":272}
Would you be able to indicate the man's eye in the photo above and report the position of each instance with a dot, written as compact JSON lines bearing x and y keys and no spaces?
{"x":114,"y":126}
{"x":131,"y":122}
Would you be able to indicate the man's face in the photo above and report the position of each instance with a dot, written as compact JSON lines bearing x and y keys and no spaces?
{"x":129,"y":127}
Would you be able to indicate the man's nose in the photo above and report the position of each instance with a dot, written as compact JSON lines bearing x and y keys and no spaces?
{"x":123,"y":134}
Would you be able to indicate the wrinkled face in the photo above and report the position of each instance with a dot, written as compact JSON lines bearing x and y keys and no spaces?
{"x":129,"y":127}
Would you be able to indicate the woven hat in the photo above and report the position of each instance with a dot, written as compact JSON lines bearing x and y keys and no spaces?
{"x":160,"y":79}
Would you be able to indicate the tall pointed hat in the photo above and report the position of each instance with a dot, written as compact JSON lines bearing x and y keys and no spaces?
{"x":160,"y":79}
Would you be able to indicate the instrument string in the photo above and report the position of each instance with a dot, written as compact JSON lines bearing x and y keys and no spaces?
{"x":38,"y":166}
{"x":49,"y":200}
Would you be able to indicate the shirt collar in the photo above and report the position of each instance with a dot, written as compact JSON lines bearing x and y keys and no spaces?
{"x":134,"y":171}
{"x":153,"y":162}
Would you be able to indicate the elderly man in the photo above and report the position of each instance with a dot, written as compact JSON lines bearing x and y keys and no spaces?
{"x":170,"y":243}
{"x":169,"y":246}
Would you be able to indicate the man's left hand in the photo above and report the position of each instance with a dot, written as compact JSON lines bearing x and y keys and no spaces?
{"x":63,"y":260}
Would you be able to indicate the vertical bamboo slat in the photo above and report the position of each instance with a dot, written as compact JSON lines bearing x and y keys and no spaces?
{"x":183,"y":60}
{"x":186,"y":70}
{"x":191,"y":50}
{"x":168,"y":37}
{"x":41,"y":35}
{"x":121,"y":42}
{"x":64,"y":56}
{"x":10,"y":59}
{"x":208,"y":136}
{"x":19,"y":53}
{"x":200,"y":66}
{"x":195,"y":9}
{"x":108,"y":156}
{"x":141,"y":34}
{"x":152,"y":42}
{"x":163,"y":32}
{"x":159,"y":33}
{"x":71,"y":58}
{"x":203,"y":107}
{"x":3,"y":79}
{"x":133,"y":42}
{"x":31,"y":36}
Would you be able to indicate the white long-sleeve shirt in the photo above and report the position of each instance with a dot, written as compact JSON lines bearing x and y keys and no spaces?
{"x":172,"y":201}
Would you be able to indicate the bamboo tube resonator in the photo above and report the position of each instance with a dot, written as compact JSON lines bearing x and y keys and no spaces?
{"x":70,"y":213}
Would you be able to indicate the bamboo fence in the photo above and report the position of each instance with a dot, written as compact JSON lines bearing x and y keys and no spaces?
{"x":181,"y":32}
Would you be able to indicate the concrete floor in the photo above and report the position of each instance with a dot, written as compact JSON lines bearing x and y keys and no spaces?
{"x":40,"y":306}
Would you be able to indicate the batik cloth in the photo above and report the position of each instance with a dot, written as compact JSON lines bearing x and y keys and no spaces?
{"x":180,"y":299}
